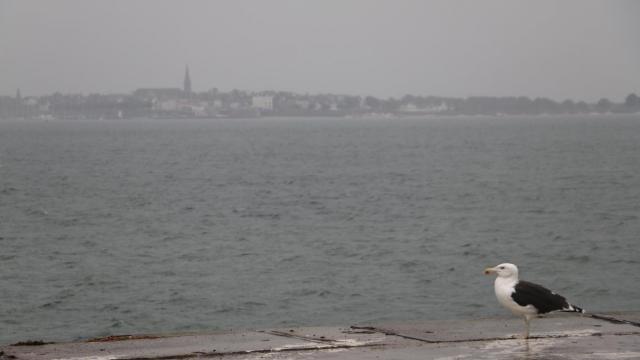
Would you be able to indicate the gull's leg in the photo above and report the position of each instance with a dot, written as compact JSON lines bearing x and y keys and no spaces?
{"x":526,"y":329}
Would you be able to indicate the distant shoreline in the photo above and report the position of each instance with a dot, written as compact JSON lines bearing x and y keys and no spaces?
{"x":343,"y":117}
{"x":179,"y":103}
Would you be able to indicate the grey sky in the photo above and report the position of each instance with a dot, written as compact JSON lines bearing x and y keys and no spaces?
{"x":560,"y":49}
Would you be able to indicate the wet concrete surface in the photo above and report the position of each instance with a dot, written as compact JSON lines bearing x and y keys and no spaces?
{"x":560,"y":336}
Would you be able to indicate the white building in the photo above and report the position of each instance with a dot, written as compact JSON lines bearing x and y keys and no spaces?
{"x":166,"y":105}
{"x":413,"y":108}
{"x":262,"y":102}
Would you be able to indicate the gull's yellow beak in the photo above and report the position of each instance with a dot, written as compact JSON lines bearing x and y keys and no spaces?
{"x":489,"y":271}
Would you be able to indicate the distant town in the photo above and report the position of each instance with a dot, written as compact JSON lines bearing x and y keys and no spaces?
{"x":176,"y":102}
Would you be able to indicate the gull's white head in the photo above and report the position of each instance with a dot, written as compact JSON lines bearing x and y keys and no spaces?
{"x":505,"y":270}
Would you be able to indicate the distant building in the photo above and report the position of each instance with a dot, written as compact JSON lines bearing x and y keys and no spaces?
{"x":166,"y":105}
{"x":163,"y":94}
{"x":302,"y":104}
{"x":410,"y":108}
{"x":425,"y":109}
{"x":262,"y":102}
{"x":187,"y":81}
{"x":158,"y":93}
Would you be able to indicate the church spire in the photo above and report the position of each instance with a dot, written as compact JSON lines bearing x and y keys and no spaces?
{"x":187,"y":81}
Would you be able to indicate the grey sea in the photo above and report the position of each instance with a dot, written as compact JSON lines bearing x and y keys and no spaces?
{"x":151,"y":226}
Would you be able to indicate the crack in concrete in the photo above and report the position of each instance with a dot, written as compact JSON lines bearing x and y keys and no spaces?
{"x":300,"y":337}
{"x":429,"y":341}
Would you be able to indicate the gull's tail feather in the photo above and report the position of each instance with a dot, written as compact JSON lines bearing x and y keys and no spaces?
{"x":573,"y":308}
{"x":577,"y":309}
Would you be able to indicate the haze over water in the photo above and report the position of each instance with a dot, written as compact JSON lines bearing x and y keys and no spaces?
{"x":140,"y":226}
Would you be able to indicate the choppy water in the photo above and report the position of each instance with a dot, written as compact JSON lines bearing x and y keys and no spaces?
{"x":178,"y":225}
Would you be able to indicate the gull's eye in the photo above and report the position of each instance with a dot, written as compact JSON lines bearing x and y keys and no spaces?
{"x":501,"y":267}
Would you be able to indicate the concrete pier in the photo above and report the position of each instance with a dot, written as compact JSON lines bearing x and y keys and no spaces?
{"x":560,"y":336}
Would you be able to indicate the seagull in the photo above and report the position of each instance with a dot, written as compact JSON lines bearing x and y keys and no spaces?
{"x":524,"y":298}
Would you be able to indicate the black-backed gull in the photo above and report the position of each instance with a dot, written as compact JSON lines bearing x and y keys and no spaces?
{"x":525,"y":298}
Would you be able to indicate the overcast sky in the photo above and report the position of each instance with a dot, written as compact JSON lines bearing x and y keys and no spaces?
{"x":583,"y":50}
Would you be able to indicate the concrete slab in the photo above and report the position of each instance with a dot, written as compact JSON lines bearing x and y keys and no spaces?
{"x":581,"y":348}
{"x":161,"y":347}
{"x":556,"y":337}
